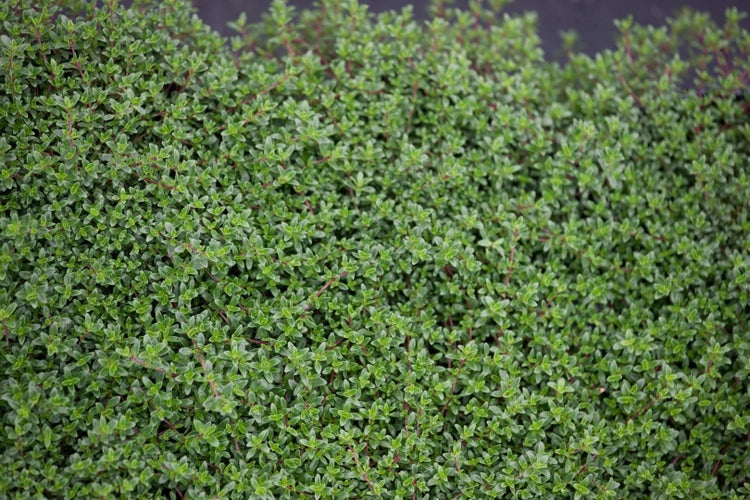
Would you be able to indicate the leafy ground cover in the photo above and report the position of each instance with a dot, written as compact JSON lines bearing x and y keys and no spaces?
{"x":355,"y":255}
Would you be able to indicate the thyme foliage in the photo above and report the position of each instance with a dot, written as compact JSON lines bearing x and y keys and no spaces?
{"x":351,"y":255}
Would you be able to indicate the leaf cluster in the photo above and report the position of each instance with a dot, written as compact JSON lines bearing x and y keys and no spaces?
{"x":354,"y":255}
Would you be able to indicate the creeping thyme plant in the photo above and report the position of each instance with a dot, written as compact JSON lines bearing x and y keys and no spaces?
{"x":346,"y":255}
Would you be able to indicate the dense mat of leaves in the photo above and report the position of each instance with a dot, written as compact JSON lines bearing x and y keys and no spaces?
{"x":350,"y":255}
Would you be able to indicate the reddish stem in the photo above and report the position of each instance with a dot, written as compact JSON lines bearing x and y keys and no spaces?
{"x":323,"y":289}
{"x":364,"y":474}
{"x":718,"y":462}
{"x":510,"y":269}
{"x":203,"y":365}
{"x":145,"y":365}
{"x":642,"y":410}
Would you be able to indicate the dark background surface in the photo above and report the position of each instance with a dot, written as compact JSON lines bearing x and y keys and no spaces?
{"x":592,"y":19}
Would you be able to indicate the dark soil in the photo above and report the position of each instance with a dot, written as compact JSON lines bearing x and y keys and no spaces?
{"x":592,"y":19}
